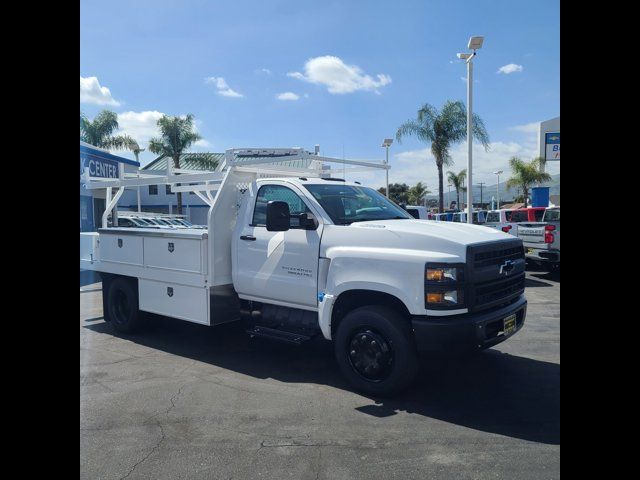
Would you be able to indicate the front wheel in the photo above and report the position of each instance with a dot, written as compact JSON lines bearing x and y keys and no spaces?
{"x":122,"y":305}
{"x":375,"y":350}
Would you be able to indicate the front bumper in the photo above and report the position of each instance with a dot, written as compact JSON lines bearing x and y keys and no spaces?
{"x":542,"y":254}
{"x":467,"y":332}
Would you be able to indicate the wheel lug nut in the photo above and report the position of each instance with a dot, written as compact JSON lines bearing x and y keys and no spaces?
{"x":363,"y":338}
{"x":373,"y":343}
{"x":353,"y":353}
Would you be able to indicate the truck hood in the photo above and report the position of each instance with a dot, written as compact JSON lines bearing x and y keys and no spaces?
{"x":443,"y":240}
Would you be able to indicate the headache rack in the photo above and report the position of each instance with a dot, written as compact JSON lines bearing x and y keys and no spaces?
{"x":237,"y":170}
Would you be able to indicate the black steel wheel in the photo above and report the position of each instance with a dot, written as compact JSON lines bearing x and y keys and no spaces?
{"x":122,"y":305}
{"x":370,"y":355}
{"x":375,"y":350}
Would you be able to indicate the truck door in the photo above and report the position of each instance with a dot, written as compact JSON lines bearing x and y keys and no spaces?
{"x":278,"y":266}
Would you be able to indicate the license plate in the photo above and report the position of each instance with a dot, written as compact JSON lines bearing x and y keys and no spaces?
{"x":509,"y":324}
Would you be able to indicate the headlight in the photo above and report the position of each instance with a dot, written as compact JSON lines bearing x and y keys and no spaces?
{"x":442,"y":274}
{"x":445,"y":298}
{"x":444,"y":286}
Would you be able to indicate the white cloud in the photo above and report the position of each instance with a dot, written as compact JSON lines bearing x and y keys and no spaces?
{"x":140,"y":125}
{"x":92,"y":92}
{"x":287,"y":96}
{"x":510,"y":68}
{"x":222,"y":87}
{"x":266,"y":71}
{"x":338,"y":77}
{"x":532,"y":127}
{"x":414,"y":166}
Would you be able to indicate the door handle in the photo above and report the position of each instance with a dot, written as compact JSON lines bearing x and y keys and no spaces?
{"x":247,"y":237}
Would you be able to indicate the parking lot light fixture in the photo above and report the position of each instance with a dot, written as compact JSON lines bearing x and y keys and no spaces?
{"x":475,"y":43}
{"x":386,"y":144}
{"x":498,"y":173}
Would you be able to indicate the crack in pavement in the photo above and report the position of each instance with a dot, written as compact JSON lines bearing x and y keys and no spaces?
{"x":162,"y":437}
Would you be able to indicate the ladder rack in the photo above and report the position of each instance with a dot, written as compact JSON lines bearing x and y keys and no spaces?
{"x":264,"y":162}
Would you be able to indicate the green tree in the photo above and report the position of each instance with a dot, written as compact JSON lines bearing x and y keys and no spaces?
{"x":442,"y":129}
{"x":398,"y":192}
{"x":99,"y":132}
{"x":457,"y":180}
{"x":417,"y":193}
{"x":526,"y":174}
{"x":177,"y":134}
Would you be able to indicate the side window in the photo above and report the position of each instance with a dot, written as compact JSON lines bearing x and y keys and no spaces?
{"x":167,"y":190}
{"x":508,"y":215}
{"x":414,"y":212}
{"x":268,"y":193}
{"x":153,"y":189}
{"x":520,"y":216}
{"x":539,"y":214}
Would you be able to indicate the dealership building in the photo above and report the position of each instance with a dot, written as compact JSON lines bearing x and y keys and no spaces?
{"x":99,"y":163}
{"x":549,"y":139}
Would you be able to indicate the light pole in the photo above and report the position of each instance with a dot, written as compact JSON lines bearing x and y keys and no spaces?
{"x":449,"y":197}
{"x":136,"y":152}
{"x":475,"y":43}
{"x":498,"y":187}
{"x":386,"y":144}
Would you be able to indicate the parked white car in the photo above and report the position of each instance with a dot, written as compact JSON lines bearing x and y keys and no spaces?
{"x":419,"y":212}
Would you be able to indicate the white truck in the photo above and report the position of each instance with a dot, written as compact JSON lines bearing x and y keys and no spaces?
{"x":501,"y":220}
{"x":542,"y":239}
{"x":295,"y":254}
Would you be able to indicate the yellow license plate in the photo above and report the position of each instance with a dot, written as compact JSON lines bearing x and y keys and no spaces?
{"x":509,"y":324}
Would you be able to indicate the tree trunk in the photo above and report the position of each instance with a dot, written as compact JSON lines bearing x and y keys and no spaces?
{"x":440,"y":188}
{"x":525,"y":194}
{"x":457,"y":198}
{"x":176,"y":164}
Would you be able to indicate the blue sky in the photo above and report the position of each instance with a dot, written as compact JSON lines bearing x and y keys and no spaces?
{"x":351,"y":72}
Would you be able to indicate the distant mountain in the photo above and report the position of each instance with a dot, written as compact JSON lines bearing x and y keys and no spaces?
{"x":488,"y":191}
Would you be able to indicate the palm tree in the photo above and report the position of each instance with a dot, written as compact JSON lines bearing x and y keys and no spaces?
{"x":526,"y":174}
{"x":442,"y":129}
{"x":99,"y":132}
{"x":176,"y":135}
{"x":417,"y":193}
{"x":457,"y":180}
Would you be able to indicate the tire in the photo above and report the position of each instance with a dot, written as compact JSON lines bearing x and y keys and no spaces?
{"x":393,"y":344}
{"x":122,"y":305}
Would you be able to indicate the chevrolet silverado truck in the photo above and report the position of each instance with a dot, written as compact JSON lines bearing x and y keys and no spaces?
{"x":541,"y":240}
{"x":297,"y":256}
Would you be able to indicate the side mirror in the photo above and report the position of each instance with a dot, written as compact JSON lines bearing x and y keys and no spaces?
{"x":278,"y":216}
{"x":308,"y":221}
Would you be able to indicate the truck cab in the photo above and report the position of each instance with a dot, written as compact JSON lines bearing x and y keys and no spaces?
{"x":297,"y":257}
{"x":501,"y":220}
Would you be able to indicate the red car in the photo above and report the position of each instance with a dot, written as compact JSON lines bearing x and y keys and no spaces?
{"x":529,"y":214}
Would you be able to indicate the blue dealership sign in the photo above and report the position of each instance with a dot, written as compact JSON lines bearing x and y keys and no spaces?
{"x":101,"y":163}
{"x":99,"y":167}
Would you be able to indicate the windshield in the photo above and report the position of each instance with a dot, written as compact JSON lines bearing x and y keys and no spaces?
{"x":346,"y":204}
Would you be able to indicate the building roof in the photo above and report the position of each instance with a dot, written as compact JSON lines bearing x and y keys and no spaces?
{"x":513,"y":206}
{"x":189,"y":161}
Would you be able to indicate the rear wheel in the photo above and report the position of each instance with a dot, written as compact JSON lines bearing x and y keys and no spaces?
{"x":375,"y":350}
{"x":122,"y":305}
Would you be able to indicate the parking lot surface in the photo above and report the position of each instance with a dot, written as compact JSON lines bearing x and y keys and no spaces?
{"x":180,"y":400}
